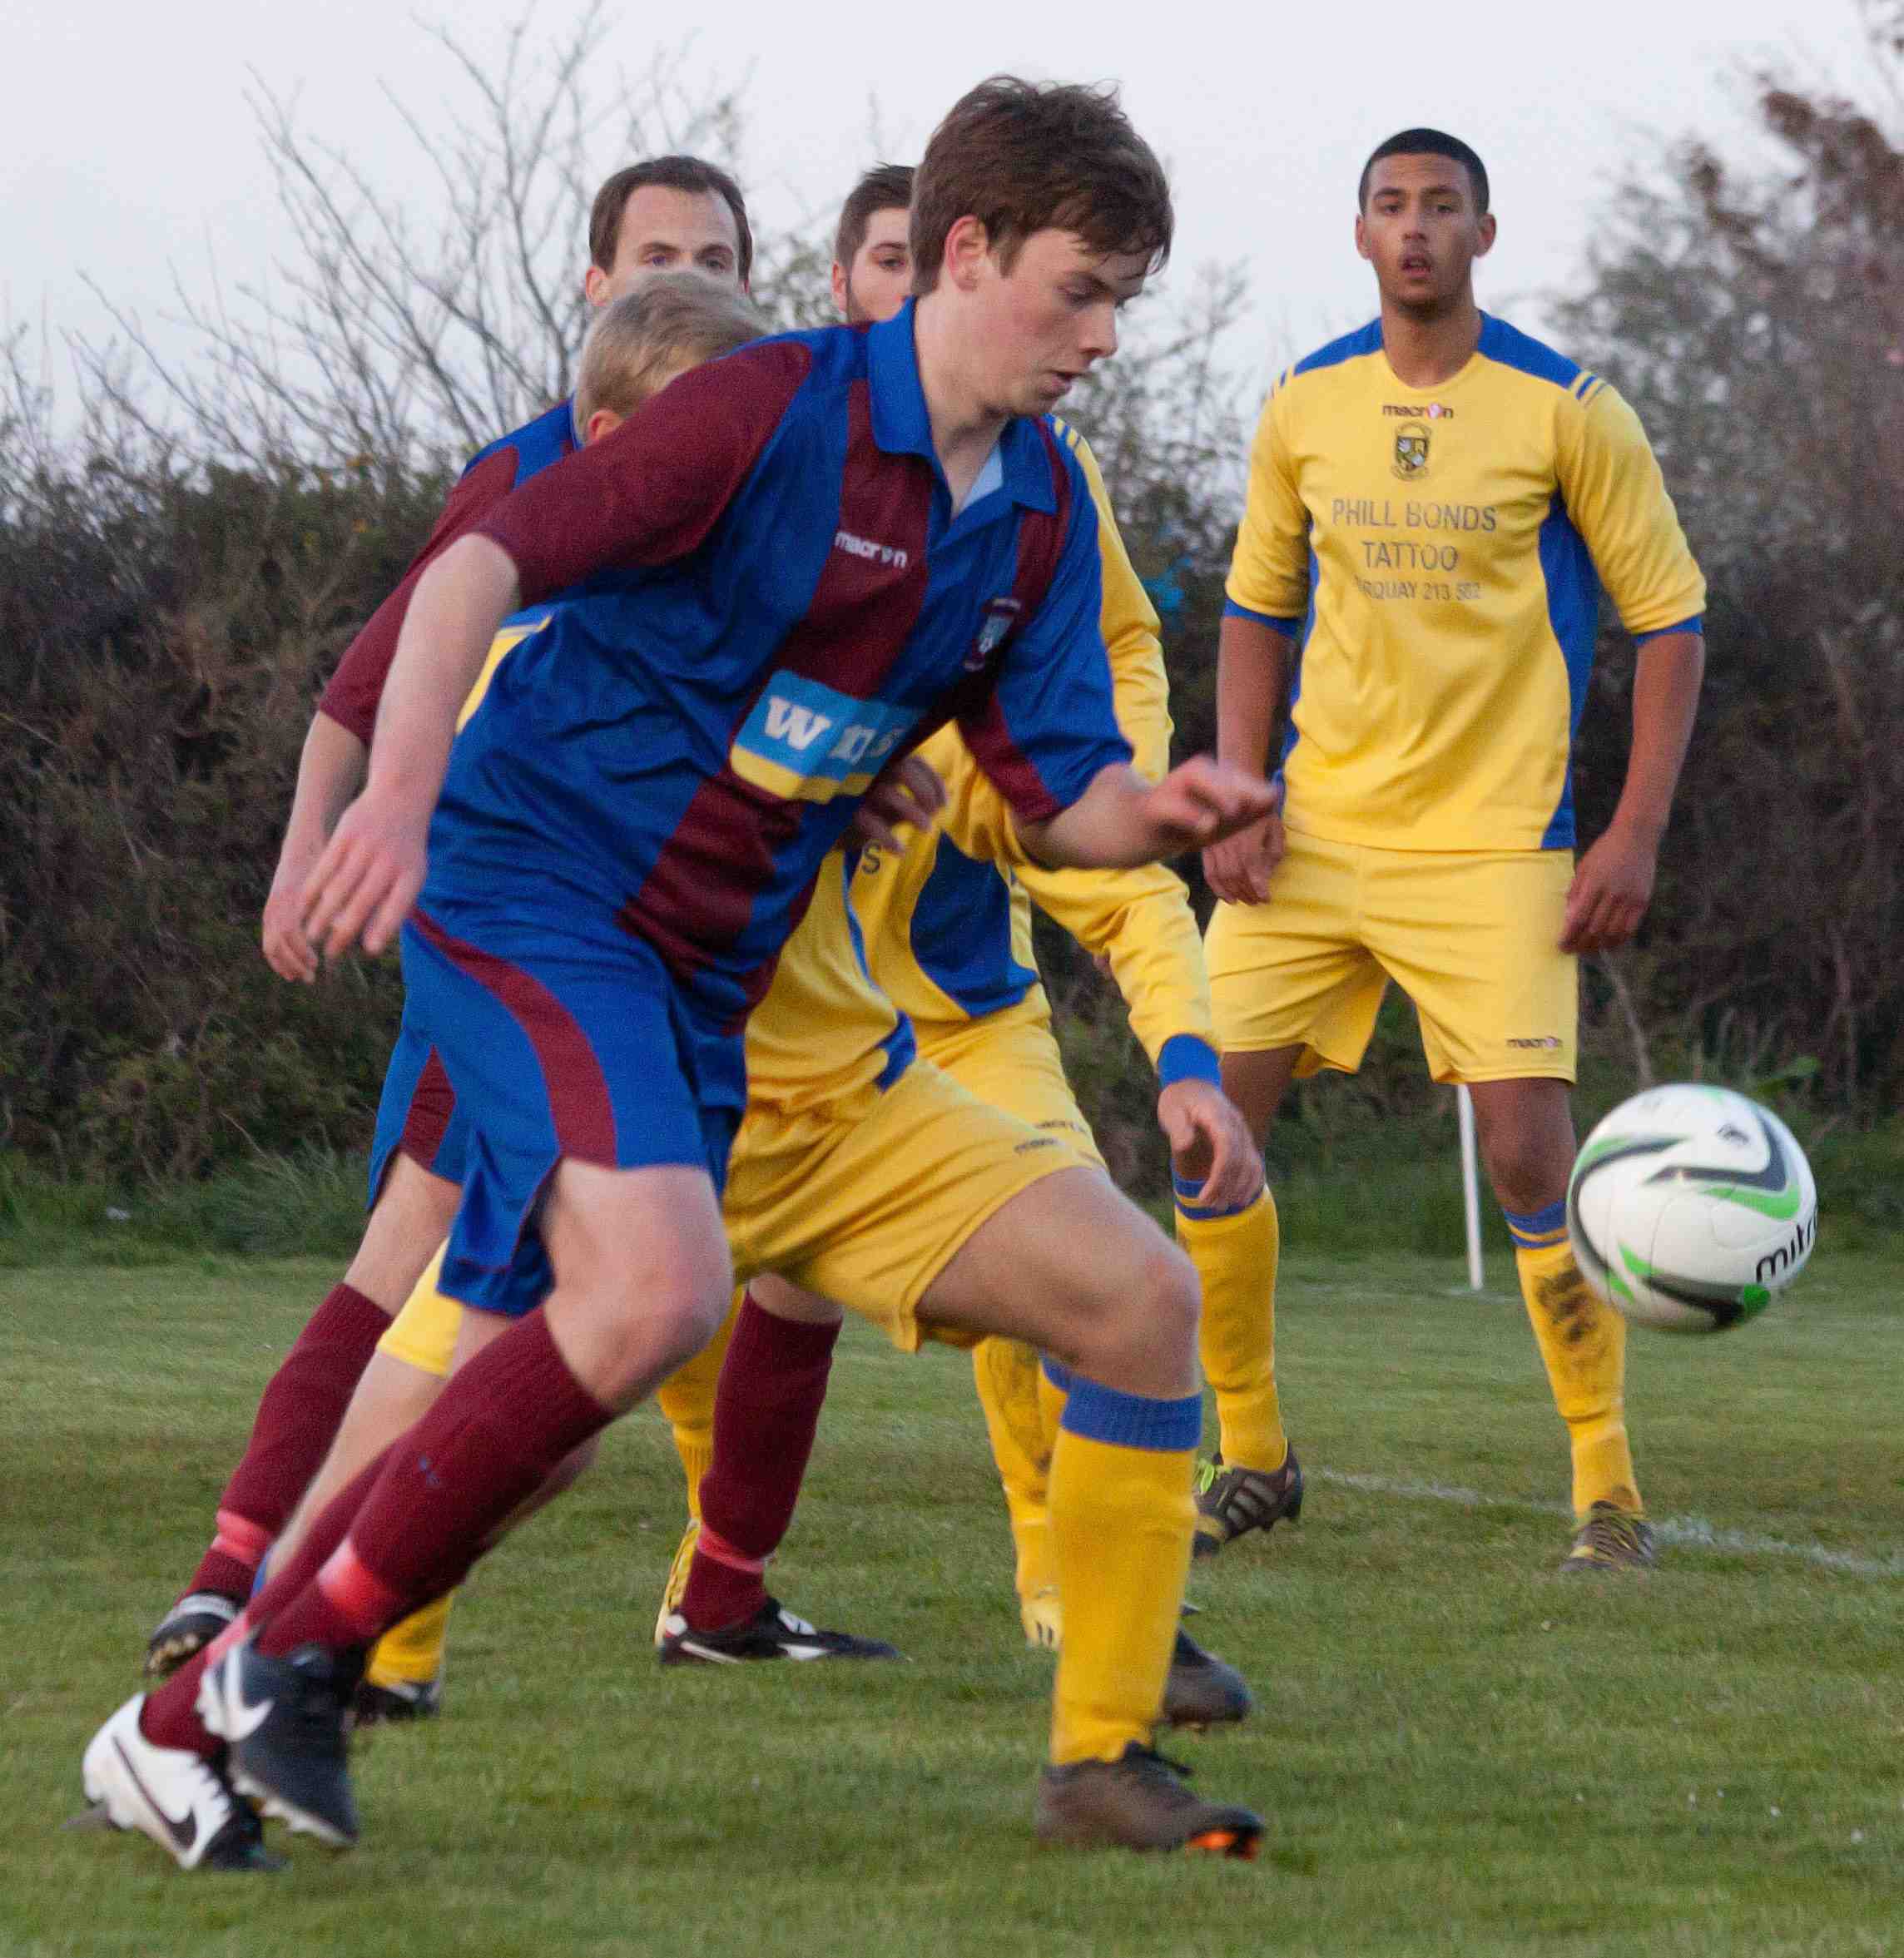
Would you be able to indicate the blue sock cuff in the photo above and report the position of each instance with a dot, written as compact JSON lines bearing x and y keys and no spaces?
{"x":1189,"y":1189}
{"x":1133,"y":1421}
{"x":1061,"y":1377}
{"x":1541,"y":1228}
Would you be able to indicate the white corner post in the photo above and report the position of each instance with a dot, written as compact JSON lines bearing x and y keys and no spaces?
{"x":1471,"y":1185}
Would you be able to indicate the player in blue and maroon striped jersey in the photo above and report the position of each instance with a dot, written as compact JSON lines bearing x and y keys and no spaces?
{"x":769,"y":583}
{"x":666,"y":214}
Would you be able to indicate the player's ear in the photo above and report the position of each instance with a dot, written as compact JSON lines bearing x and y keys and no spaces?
{"x":595,"y":286}
{"x":1486,"y":226}
{"x":839,"y":285}
{"x":1361,"y":237}
{"x":967,"y":245}
{"x":603,"y":422}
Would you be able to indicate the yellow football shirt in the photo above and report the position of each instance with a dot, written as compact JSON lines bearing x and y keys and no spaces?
{"x":1439,"y":553}
{"x":824,"y":1030}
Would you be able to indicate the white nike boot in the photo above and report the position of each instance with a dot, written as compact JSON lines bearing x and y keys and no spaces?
{"x":175,"y":1796}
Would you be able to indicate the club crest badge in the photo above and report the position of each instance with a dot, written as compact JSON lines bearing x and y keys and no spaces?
{"x":1000,"y":616}
{"x":1410,"y":451}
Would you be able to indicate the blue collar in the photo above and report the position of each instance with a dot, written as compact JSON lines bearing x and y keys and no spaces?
{"x":901,"y":426}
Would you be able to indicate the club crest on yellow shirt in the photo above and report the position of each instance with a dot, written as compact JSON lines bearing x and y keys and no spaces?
{"x":1410,"y":451}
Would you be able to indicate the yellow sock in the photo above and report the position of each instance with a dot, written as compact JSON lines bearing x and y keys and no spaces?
{"x":1121,"y":1523}
{"x":1006,"y":1373}
{"x":410,"y":1654}
{"x":1235,"y":1255}
{"x":1583,"y":1342}
{"x":686,"y":1399}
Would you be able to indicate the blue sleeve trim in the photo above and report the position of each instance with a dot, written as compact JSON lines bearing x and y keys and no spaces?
{"x":1696,"y":623}
{"x":1133,"y":1421}
{"x":1287,"y":626}
{"x":1189,"y":1057}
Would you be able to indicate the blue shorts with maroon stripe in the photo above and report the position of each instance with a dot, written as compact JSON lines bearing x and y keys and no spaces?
{"x":418,"y":1113}
{"x":559,"y":1044}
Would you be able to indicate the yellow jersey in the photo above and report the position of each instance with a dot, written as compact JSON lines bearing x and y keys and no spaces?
{"x":948,"y":920}
{"x":823,"y":1029}
{"x":1438,"y":552}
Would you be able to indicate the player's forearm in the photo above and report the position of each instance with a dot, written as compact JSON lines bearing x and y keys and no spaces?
{"x":1665,"y":703}
{"x":1108,"y":827}
{"x":330,"y":771}
{"x":1140,"y":923}
{"x":1156,"y":958}
{"x":1252,"y":679}
{"x":452,"y":617}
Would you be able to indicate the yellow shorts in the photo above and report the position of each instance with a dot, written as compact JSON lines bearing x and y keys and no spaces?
{"x":1009,"y":1060}
{"x":866,"y":1202}
{"x":1471,"y":936}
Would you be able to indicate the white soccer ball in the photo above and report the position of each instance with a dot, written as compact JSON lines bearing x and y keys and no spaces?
{"x":1689,"y":1207}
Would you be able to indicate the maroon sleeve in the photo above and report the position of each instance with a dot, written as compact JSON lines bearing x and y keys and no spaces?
{"x":351,"y":698}
{"x":651,"y":492}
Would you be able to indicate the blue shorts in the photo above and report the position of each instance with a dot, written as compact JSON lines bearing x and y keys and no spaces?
{"x":417,"y":1115}
{"x":560,"y":1045}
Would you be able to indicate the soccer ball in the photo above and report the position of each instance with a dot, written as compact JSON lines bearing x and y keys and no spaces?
{"x":1688,"y":1207}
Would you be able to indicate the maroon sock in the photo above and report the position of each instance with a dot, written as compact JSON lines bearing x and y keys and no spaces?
{"x":169,"y":1716}
{"x":298,"y":1419}
{"x":766,"y":1409}
{"x":500,"y":1428}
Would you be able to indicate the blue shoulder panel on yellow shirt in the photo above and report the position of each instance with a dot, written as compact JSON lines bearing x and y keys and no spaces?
{"x":962,"y":937}
{"x":1512,"y":348}
{"x":1351,"y":346}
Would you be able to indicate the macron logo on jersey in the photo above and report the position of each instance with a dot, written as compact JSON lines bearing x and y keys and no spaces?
{"x":864,"y":546}
{"x":808,"y":743}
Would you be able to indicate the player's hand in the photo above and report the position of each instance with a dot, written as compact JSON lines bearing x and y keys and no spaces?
{"x":1202,"y":801}
{"x":1209,"y":1138}
{"x":1612,"y":887}
{"x":905,"y":791}
{"x":287,"y":951}
{"x":368,"y":878}
{"x":1238,"y":869}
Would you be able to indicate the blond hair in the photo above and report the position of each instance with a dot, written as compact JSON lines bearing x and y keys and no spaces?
{"x":641,"y":340}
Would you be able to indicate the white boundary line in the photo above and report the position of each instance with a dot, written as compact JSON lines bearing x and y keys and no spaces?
{"x":1683,"y":1532}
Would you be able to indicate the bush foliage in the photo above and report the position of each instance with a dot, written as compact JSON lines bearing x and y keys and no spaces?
{"x":177,"y":579}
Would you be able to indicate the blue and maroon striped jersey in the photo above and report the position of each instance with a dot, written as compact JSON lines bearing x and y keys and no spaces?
{"x":351,"y":696}
{"x":752,"y":595}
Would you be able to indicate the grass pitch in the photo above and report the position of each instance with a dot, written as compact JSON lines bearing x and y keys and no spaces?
{"x":1460,"y":1752}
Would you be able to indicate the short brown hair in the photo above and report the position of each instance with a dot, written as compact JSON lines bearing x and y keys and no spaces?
{"x":640,"y":341}
{"x":667,"y":173}
{"x":886,"y":186}
{"x":1026,"y":157}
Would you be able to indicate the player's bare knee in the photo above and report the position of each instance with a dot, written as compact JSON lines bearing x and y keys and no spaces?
{"x":1171,"y":1298}
{"x":1145,"y":1341}
{"x":1528,"y":1146}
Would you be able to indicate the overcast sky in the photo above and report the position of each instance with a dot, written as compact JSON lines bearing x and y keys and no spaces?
{"x":127,"y":149}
